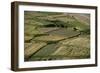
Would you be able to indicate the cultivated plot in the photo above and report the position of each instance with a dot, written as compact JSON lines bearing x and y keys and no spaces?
{"x":56,"y":36}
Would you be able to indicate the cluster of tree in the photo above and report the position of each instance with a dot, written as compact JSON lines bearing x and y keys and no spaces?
{"x":56,"y":23}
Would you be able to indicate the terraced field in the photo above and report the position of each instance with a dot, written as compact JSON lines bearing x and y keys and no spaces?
{"x":56,"y":36}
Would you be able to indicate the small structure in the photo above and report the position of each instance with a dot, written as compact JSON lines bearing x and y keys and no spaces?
{"x":75,"y":29}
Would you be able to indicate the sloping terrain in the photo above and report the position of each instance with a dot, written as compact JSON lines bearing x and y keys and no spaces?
{"x":56,"y":36}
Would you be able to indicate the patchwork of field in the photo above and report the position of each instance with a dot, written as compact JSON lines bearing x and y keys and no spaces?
{"x":56,"y":36}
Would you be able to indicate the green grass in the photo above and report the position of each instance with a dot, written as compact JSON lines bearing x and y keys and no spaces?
{"x":61,"y":35}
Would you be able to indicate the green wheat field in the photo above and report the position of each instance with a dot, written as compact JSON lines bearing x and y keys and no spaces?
{"x":56,"y":36}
